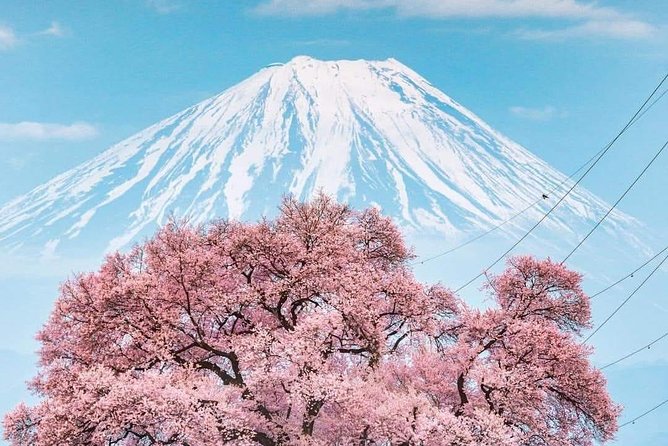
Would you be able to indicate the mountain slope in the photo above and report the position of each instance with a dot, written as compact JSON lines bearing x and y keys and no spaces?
{"x":370,"y":132}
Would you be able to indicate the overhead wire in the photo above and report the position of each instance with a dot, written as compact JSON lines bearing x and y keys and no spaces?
{"x":575,"y":184}
{"x":621,"y":197}
{"x":649,"y":345}
{"x":635,"y":352}
{"x":637,"y":116}
{"x":658,"y":98}
{"x":629,"y":275}
{"x":620,"y":306}
{"x":534,"y":203}
{"x":512,"y":217}
{"x":597,"y":156}
{"x":644,"y":414}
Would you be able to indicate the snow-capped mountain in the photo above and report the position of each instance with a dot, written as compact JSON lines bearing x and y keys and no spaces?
{"x":370,"y":132}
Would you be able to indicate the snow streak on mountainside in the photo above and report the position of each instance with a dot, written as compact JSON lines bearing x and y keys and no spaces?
{"x":370,"y":132}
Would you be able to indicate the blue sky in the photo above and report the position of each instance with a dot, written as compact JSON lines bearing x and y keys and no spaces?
{"x":558,"y":76}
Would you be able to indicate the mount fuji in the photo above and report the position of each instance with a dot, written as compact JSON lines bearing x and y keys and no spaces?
{"x":368,"y":132}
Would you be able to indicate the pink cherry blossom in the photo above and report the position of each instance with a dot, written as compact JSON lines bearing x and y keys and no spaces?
{"x":310,"y":329}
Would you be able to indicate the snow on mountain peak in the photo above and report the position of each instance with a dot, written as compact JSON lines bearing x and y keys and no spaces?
{"x":369,"y":132}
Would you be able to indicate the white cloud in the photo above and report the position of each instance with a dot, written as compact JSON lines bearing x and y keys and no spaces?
{"x":164,"y":6}
{"x":316,"y":7}
{"x":615,"y":29}
{"x":55,"y":30}
{"x":322,"y":42}
{"x":445,"y":8}
{"x":17,"y":163}
{"x":537,"y":114}
{"x":595,"y":20}
{"x":8,"y":39}
{"x":49,"y":250}
{"x":40,"y":131}
{"x":503,"y":8}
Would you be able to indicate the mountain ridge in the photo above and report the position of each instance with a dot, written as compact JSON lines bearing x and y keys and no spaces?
{"x":367,"y":132}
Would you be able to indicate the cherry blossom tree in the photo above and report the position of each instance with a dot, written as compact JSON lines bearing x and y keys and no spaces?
{"x":310,"y":329}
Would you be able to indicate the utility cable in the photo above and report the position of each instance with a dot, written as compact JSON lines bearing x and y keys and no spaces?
{"x":563,"y":197}
{"x":533,"y":204}
{"x":509,"y":219}
{"x":635,"y":352}
{"x":658,"y":98}
{"x":629,"y":275}
{"x":633,"y":421}
{"x":628,"y":189}
{"x":619,"y":307}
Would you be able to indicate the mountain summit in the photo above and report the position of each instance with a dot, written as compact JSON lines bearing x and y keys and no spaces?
{"x":369,"y":132}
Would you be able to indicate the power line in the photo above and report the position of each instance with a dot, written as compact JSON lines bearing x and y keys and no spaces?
{"x":499,"y":225}
{"x":533,"y":204}
{"x":563,"y":197}
{"x":658,"y":98}
{"x":644,"y":414}
{"x":629,"y":275}
{"x":628,"y":189}
{"x":626,"y":300}
{"x":635,"y":352}
{"x":512,"y":217}
{"x":663,"y":336}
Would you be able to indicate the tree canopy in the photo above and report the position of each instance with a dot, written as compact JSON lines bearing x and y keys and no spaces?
{"x":310,"y":329}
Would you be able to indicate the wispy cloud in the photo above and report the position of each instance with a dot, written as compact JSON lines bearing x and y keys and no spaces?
{"x":17,"y":163}
{"x":41,"y":131}
{"x":8,"y":38}
{"x":461,"y":29}
{"x":443,"y":9}
{"x":503,"y":8}
{"x":615,"y":29}
{"x":55,"y":30}
{"x":164,"y":6}
{"x":315,"y":7}
{"x":322,"y":42}
{"x":545,"y":113}
{"x":591,"y":18}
